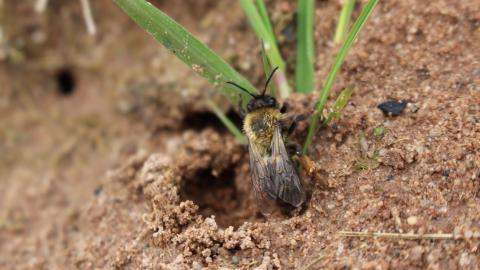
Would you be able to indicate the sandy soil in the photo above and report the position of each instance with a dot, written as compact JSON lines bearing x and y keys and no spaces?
{"x":108,"y":160}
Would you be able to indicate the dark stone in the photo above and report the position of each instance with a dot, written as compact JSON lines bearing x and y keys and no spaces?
{"x":392,"y":107}
{"x":98,"y":190}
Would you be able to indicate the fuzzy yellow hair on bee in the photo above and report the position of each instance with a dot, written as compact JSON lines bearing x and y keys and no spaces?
{"x":259,"y":126}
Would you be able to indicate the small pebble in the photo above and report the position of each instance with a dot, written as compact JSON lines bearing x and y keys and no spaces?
{"x":413,"y":107}
{"x":413,"y":220}
{"x":235,"y":260}
{"x":196,"y":266}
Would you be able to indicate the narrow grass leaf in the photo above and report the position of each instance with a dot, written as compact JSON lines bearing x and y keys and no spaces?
{"x":261,"y":30}
{"x":338,"y":106}
{"x":271,"y":47}
{"x":267,"y":68}
{"x":187,"y":48}
{"x":305,"y":71}
{"x":344,"y":20}
{"x":227,"y":122}
{"x":262,"y":9}
{"x":356,"y":28}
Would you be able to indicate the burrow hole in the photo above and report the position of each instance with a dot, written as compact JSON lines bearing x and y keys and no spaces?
{"x":220,"y":196}
{"x":66,"y":83}
{"x":203,"y":119}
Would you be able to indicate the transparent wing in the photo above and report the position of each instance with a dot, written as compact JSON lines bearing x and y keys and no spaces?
{"x":288,"y":187}
{"x":262,"y":182}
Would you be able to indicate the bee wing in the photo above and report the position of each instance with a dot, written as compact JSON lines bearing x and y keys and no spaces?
{"x":288,"y":187}
{"x":262,"y":182}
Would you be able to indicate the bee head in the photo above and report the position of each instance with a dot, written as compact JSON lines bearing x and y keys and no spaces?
{"x":262,"y":100}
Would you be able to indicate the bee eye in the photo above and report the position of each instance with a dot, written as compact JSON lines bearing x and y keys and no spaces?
{"x":271,"y":102}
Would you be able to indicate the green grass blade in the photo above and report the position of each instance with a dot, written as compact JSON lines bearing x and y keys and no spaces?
{"x":356,"y":28}
{"x":267,"y":68}
{"x":187,"y":48}
{"x":344,"y":20}
{"x":338,"y":106}
{"x":227,"y":122}
{"x":271,"y":47}
{"x":260,"y":29}
{"x":262,"y":9}
{"x":305,"y":71}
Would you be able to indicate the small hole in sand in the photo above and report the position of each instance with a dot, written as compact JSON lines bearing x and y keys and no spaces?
{"x":65,"y":81}
{"x":218,"y":196}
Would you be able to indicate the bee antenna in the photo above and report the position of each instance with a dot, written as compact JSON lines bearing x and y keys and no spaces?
{"x":268,"y":80}
{"x":241,"y":88}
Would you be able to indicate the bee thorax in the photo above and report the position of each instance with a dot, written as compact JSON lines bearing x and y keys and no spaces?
{"x":260,"y":125}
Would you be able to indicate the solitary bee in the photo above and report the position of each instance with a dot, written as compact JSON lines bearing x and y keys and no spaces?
{"x":273,"y":173}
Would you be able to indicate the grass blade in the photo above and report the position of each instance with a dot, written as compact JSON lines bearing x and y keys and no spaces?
{"x":268,"y":38}
{"x":262,"y":9}
{"x":305,"y":72}
{"x":344,"y":20}
{"x":356,"y":28}
{"x":267,"y":68}
{"x":187,"y":48}
{"x":339,"y":105}
{"x":227,"y":122}
{"x":262,"y":32}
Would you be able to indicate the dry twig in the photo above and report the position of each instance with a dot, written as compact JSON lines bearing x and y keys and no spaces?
{"x":314,"y":171}
{"x":87,"y":15}
{"x":41,"y":5}
{"x":411,"y":236}
{"x":312,"y":263}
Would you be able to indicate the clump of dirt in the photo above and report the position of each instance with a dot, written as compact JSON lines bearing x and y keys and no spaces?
{"x":186,"y":217}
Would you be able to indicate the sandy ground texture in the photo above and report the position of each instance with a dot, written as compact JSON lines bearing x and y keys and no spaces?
{"x":109,"y":161}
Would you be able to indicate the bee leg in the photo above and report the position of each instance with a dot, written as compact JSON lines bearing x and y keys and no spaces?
{"x":284,"y":107}
{"x":241,"y":110}
{"x":294,"y":150}
{"x":242,"y":113}
{"x":295,"y":121}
